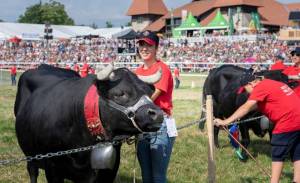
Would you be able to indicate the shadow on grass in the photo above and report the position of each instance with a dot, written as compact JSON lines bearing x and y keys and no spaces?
{"x":129,"y":179}
{"x":260,"y":146}
{"x":253,"y":179}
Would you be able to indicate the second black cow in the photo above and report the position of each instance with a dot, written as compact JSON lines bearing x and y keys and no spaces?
{"x":223,"y":84}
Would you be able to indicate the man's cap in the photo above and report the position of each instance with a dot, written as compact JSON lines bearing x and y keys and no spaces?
{"x":149,"y":37}
{"x":279,"y":57}
{"x":246,"y":78}
{"x":296,"y":51}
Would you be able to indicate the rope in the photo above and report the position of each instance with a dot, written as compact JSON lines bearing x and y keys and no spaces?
{"x":261,"y":167}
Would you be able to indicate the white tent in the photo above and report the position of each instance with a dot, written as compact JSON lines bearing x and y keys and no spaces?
{"x":109,"y":32}
{"x":36,"y":31}
{"x":3,"y":36}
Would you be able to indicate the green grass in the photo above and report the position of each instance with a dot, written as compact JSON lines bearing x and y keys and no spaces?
{"x":189,"y":158}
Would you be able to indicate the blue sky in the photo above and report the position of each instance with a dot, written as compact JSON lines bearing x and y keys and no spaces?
{"x":86,"y":11}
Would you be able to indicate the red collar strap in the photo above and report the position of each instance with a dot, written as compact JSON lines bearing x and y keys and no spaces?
{"x":91,"y":112}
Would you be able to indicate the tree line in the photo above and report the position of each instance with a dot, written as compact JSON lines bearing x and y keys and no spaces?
{"x":51,"y":12}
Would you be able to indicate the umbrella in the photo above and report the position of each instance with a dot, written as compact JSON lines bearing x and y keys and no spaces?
{"x":15,"y":39}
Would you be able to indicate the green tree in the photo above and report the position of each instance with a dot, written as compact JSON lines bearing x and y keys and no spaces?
{"x":128,"y":24}
{"x":1,"y":20}
{"x":94,"y":26}
{"x":109,"y":24}
{"x":52,"y":12}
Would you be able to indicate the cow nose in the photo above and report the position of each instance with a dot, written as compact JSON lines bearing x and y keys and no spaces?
{"x":152,"y":114}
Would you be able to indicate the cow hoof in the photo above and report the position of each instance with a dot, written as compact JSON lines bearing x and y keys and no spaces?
{"x":201,"y":126}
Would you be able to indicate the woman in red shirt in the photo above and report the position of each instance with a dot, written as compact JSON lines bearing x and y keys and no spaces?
{"x":154,"y":150}
{"x":281,"y":105}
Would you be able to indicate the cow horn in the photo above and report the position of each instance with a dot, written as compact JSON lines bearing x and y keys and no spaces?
{"x":104,"y":73}
{"x":151,"y":79}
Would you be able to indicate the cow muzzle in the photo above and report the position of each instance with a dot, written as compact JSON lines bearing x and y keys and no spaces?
{"x":131,"y":111}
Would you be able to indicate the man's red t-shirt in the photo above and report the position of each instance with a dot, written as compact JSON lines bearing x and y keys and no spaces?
{"x":278,"y":65}
{"x":292,"y":70}
{"x":76,"y":68}
{"x":176,"y":72}
{"x":13,"y":70}
{"x":84,"y":70}
{"x":279,"y":103}
{"x":165,"y":84}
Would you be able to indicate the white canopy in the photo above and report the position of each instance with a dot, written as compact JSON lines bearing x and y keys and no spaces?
{"x":36,"y":31}
{"x":110,"y":32}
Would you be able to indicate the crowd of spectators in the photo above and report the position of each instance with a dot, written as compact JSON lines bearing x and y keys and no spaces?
{"x":187,"y":54}
{"x":262,"y":51}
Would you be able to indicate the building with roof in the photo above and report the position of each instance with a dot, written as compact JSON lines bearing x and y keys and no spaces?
{"x":144,"y":12}
{"x":272,"y":14}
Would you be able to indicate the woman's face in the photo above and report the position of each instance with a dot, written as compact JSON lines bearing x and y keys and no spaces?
{"x":296,"y":59}
{"x":147,"y":52}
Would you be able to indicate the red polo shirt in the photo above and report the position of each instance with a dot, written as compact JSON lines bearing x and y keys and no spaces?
{"x":291,"y":70}
{"x":13,"y":70}
{"x":278,"y":65}
{"x":76,"y":68}
{"x":279,"y":103}
{"x":176,"y":72}
{"x":165,"y":84}
{"x":84,"y":70}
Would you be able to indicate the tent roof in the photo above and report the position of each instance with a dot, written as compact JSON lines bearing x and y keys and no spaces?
{"x":219,"y":22}
{"x":129,"y":35}
{"x":109,"y":32}
{"x":190,"y":23}
{"x":36,"y":31}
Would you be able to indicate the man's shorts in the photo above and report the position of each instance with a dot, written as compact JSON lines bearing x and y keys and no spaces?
{"x":285,"y":144}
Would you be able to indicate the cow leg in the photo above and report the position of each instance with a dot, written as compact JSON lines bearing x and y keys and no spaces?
{"x":216,"y":136}
{"x":245,"y":141}
{"x":33,"y":172}
{"x":107,"y":175}
{"x":52,"y":175}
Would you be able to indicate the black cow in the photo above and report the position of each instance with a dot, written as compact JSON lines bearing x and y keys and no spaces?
{"x":223,"y":84}
{"x":50,"y":110}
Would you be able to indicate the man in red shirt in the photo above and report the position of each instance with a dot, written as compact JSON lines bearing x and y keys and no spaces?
{"x":176,"y":75}
{"x":76,"y":67}
{"x":13,"y":74}
{"x":281,"y":105}
{"x":84,"y":70}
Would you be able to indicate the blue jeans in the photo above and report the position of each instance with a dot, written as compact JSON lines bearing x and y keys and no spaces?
{"x":13,"y":80}
{"x":154,"y":152}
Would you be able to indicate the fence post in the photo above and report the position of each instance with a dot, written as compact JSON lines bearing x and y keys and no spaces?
{"x":211,"y":147}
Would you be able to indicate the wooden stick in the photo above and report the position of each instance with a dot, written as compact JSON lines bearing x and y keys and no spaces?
{"x":211,"y":147}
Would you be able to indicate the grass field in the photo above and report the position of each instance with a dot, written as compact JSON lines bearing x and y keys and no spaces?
{"x":189,"y":158}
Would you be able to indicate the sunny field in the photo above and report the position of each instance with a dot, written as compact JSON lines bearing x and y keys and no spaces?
{"x":189,"y":159}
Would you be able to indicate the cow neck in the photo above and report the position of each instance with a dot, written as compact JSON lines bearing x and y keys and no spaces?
{"x":91,"y":113}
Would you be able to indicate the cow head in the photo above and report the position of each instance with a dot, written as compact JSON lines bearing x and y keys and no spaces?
{"x":127,"y":99}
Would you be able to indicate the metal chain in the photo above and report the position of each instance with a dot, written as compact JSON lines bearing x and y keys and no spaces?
{"x":247,"y":120}
{"x":50,"y":155}
{"x":81,"y":149}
